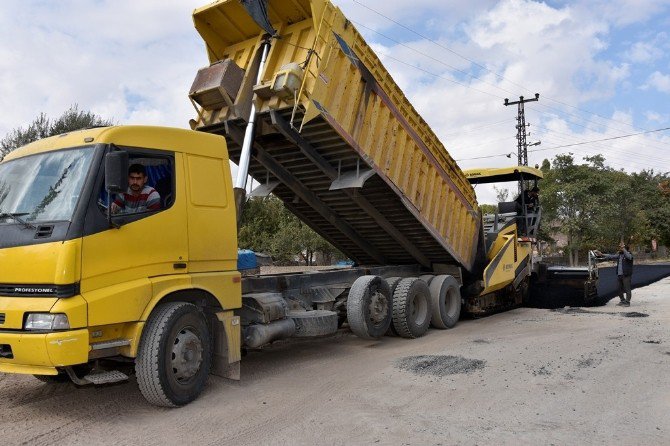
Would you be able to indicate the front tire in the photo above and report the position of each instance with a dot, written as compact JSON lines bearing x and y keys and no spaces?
{"x":174,"y":356}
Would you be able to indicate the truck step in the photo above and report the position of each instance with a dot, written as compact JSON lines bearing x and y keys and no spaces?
{"x":112,"y":376}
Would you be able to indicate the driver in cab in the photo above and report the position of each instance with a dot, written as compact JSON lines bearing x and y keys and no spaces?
{"x":139,"y":197}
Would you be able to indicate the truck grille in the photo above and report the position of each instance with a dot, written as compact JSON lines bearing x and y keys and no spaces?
{"x":2,"y":318}
{"x":38,"y":290}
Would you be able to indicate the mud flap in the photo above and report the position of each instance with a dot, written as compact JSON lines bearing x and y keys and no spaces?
{"x":227,"y":348}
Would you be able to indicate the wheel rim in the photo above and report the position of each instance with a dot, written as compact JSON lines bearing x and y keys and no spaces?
{"x":451,"y":301}
{"x":378,"y":308}
{"x":419,"y":309}
{"x":186,"y":355}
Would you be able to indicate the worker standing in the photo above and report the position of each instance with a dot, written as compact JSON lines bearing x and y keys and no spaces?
{"x":624,"y":271}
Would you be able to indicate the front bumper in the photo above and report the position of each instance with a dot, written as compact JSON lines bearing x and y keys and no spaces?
{"x":41,"y":353}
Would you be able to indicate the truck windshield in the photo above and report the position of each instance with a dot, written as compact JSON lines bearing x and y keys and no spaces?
{"x":43,"y":187}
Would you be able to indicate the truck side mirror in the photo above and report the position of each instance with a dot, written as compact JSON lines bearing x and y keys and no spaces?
{"x":116,"y":172}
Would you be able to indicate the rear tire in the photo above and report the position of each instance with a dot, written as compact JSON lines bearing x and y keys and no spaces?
{"x":411,"y":314}
{"x":427,"y":278}
{"x":369,"y":307}
{"x":393,"y":284}
{"x":174,"y":356}
{"x":445,"y":302}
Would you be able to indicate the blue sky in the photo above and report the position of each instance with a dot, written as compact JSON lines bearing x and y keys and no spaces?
{"x":602,"y":68}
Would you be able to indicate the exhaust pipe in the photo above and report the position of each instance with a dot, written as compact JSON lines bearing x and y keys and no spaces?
{"x":258,"y":335}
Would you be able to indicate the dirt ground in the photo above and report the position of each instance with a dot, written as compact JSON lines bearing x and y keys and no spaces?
{"x":528,"y":376}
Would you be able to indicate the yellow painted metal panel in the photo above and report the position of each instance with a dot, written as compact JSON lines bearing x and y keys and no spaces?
{"x":164,"y":138}
{"x":225,"y":286}
{"x":68,"y":348}
{"x":15,"y":307}
{"x":385,"y":128}
{"x":117,"y":303}
{"x":76,"y":310}
{"x":6,"y":367}
{"x":209,"y":216}
{"x":231,"y":324}
{"x":55,"y":263}
{"x":161,"y":287}
{"x":207,"y":184}
{"x":45,"y":350}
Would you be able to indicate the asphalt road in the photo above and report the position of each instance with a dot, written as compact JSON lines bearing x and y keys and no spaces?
{"x":587,"y":376}
{"x":643,"y":275}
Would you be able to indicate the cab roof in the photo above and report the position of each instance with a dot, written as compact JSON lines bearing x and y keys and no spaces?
{"x":502,"y":174}
{"x":166,"y":138}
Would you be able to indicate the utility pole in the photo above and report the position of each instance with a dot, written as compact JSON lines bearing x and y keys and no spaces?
{"x":522,"y":144}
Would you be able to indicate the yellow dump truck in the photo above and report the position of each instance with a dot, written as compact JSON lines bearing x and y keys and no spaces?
{"x":118,"y":246}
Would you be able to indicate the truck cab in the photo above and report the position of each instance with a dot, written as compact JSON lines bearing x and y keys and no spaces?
{"x":80,"y":284}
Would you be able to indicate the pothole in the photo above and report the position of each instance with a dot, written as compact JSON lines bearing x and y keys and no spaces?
{"x":584,"y":363}
{"x":652,"y":341}
{"x":542,"y":371}
{"x":572,"y":310}
{"x":439,"y":365}
{"x":634,"y":314}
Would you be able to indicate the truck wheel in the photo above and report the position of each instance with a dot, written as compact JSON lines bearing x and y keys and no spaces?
{"x":314,"y":323}
{"x":411,"y":315}
{"x":427,"y":278}
{"x":393,"y":283}
{"x":445,"y":301}
{"x":174,"y":356}
{"x":369,"y":307}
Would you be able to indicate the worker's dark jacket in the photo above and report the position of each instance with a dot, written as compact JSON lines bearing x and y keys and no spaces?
{"x":626,"y":267}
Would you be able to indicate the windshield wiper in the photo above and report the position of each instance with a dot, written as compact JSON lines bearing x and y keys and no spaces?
{"x":17,"y":216}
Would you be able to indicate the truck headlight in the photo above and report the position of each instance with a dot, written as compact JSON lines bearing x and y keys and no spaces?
{"x":46,"y":321}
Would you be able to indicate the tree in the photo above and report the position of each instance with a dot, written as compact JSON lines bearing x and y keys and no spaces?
{"x":596,"y":206}
{"x":42,"y":127}
{"x":574,"y":198}
{"x":501,"y":194}
{"x":267,"y":226}
{"x":488,"y":208}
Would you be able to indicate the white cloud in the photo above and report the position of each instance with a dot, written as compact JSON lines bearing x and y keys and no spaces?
{"x":658,"y":81}
{"x":134,"y":61}
{"x":642,"y":52}
{"x":656,"y":117}
{"x":650,"y":50}
{"x":624,"y":12}
{"x":124,"y":60}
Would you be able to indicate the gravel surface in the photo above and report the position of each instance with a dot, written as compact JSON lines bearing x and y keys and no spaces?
{"x":439,"y":365}
{"x":550,"y":377}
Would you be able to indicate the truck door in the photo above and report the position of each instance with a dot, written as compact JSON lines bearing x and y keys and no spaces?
{"x":150,"y":240}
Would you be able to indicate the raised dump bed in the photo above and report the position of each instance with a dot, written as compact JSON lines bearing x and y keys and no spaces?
{"x":336,"y":139}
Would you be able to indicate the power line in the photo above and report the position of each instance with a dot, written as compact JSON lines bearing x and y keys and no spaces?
{"x":589,"y":121}
{"x":474,"y":129}
{"x":499,"y":76}
{"x":431,"y":57}
{"x":609,"y":149}
{"x":442,"y":77}
{"x":571,"y":145}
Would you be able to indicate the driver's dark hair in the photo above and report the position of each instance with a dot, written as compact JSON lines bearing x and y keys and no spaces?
{"x":137,"y":168}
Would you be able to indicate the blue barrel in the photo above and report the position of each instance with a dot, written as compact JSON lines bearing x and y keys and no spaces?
{"x":246,"y":259}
